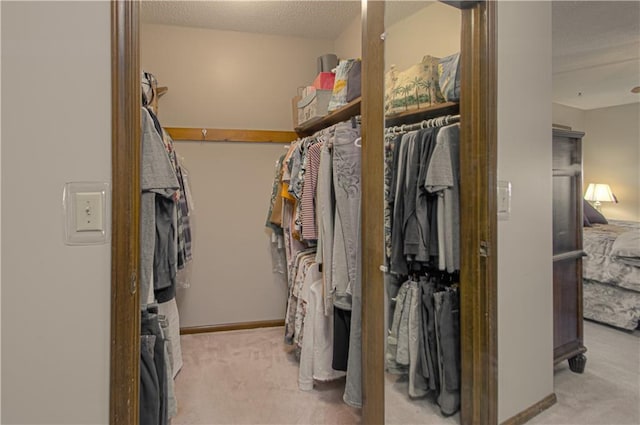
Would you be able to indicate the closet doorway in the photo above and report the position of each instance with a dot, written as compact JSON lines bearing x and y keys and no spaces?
{"x":478,"y":165}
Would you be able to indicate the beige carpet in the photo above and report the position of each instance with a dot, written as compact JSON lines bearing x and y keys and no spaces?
{"x":608,"y":392}
{"x":249,"y":377}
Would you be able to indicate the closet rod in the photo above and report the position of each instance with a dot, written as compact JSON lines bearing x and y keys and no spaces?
{"x":432,"y":122}
{"x":230,"y":135}
{"x":433,"y":111}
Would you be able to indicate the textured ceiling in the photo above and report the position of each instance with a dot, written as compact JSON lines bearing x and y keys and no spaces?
{"x":302,"y":18}
{"x":596,"y":53}
{"x":596,"y":44}
{"x":310,"y":19}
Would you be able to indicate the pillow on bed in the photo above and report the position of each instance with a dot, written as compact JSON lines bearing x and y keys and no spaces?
{"x":592,"y":214}
{"x":626,"y":248}
{"x":585,"y":221}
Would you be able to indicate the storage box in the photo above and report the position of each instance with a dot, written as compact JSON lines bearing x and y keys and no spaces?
{"x":294,"y":109}
{"x":307,"y":91}
{"x":314,"y":106}
{"x":324,"y":81}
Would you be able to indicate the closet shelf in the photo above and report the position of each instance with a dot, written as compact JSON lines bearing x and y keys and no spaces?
{"x":416,"y":115}
{"x":351,"y":109}
{"x":230,"y":135}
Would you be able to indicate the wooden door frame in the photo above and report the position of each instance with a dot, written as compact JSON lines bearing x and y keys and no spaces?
{"x":478,"y":163}
{"x":478,"y":171}
{"x":479,"y":217}
{"x":125,"y":237}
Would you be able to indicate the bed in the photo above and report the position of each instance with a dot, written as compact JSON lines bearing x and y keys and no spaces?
{"x":611,"y":273}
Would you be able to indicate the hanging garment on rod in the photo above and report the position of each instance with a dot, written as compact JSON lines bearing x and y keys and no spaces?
{"x":159,"y":185}
{"x":422,"y":198}
{"x":422,"y":234}
{"x":424,"y":341}
{"x":157,"y":396}
{"x":429,"y":123}
{"x":443,"y":177}
{"x":165,"y":247}
{"x":319,"y":188}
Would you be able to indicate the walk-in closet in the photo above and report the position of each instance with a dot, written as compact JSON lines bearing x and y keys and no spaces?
{"x":320,"y":265}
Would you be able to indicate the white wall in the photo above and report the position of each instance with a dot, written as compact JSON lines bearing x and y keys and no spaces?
{"x":226,"y":79}
{"x":349,"y":44}
{"x":611,"y":153}
{"x":433,"y":30}
{"x":231,"y":278}
{"x":525,"y":316}
{"x":568,"y":116}
{"x":56,"y":128}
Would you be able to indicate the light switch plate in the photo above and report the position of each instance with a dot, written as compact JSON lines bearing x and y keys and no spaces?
{"x":504,"y":200}
{"x":86,"y":213}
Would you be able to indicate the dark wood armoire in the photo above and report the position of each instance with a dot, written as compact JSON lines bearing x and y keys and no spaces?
{"x":568,"y":343}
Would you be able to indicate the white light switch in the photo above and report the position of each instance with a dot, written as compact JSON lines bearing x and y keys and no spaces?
{"x":504,"y":200}
{"x":88,"y":211}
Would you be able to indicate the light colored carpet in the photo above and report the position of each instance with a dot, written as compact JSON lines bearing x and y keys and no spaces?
{"x":608,"y":392}
{"x":250,"y":377}
{"x":402,"y":410}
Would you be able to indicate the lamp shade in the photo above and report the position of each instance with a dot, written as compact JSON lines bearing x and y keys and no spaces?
{"x":598,"y":192}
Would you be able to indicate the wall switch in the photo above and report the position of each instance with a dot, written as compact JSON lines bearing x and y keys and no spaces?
{"x":504,"y":200}
{"x":88,"y":211}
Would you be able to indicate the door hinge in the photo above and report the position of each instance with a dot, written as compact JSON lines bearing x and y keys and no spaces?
{"x":484,"y":249}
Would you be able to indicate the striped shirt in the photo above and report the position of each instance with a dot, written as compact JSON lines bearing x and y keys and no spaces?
{"x":309,"y":225}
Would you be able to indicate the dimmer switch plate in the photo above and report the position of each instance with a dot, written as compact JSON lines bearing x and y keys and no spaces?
{"x":87,"y":213}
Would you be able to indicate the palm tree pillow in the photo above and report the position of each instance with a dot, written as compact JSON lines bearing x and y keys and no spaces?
{"x":414,"y":88}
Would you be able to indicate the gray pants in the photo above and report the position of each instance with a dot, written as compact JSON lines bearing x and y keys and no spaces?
{"x":149,"y":384}
{"x":347,"y":185}
{"x":448,"y":332}
{"x":347,"y":275}
{"x":153,"y":376}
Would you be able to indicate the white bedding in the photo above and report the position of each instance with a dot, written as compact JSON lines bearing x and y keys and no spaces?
{"x":601,"y":265}
{"x":626,"y":248}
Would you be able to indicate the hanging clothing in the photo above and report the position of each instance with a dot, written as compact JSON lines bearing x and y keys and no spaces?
{"x":317,"y":344}
{"x":325,"y":213}
{"x":158,"y":180}
{"x":422,"y":236}
{"x":319,"y":187}
{"x":443,"y":178}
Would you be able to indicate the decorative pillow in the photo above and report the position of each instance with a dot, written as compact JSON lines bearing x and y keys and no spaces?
{"x":626,"y":248}
{"x":593,"y":215}
{"x":339,"y":95}
{"x":413,"y":88}
{"x":354,"y":83}
{"x":449,"y":72}
{"x":585,"y":221}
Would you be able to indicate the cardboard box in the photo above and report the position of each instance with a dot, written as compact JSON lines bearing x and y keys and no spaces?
{"x":314,"y":106}
{"x":324,"y":81}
